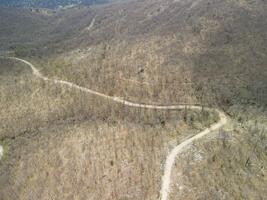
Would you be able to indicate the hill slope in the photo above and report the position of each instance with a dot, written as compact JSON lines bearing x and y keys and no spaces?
{"x":155,"y":51}
{"x":216,"y":42}
{"x":49,"y":3}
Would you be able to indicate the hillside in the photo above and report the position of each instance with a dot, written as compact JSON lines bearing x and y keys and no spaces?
{"x":196,"y":41}
{"x":196,"y":36}
{"x":49,"y":3}
{"x":64,"y":142}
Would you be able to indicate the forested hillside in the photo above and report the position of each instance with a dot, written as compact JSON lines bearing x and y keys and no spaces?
{"x":66,"y":131}
{"x":49,"y":3}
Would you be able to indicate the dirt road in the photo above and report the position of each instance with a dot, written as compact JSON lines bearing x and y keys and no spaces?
{"x":166,"y":178}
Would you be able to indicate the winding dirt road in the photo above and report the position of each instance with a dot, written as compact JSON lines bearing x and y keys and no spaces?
{"x":166,"y":178}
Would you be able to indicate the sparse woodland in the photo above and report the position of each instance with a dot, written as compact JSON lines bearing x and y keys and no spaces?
{"x":118,"y":144}
{"x":61,"y":143}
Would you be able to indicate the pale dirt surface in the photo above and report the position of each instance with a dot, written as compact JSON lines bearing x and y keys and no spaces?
{"x":166,"y":179}
{"x":1,"y":151}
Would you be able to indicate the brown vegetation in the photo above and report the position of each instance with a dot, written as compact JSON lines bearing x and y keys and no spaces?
{"x":69,"y":137}
{"x":61,"y":143}
{"x":231,"y":165}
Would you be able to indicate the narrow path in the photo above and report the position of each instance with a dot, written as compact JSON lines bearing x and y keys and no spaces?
{"x":91,"y":24}
{"x":166,"y":179}
{"x":1,"y":151}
